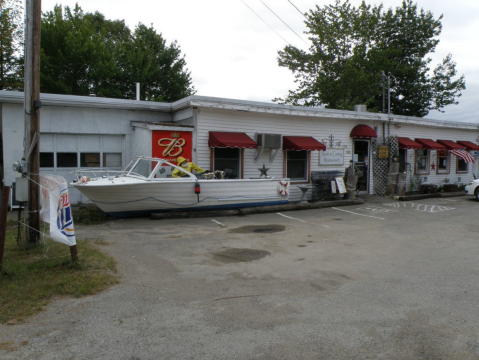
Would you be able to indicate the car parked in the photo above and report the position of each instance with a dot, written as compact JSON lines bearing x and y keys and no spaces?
{"x":473,"y":188}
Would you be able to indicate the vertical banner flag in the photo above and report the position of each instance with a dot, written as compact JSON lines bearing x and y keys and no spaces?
{"x":56,"y":209}
{"x":169,"y":145}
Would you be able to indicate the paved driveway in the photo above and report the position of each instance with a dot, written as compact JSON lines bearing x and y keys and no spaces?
{"x":382,"y":280}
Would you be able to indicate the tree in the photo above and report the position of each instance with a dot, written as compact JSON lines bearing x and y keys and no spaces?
{"x":85,"y":53}
{"x":352,"y":51}
{"x":11,"y":44}
{"x":157,"y":66}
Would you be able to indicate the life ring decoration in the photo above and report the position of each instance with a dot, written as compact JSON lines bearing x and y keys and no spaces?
{"x":283,"y":187}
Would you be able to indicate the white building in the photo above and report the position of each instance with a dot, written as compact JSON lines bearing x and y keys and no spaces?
{"x":239,"y":137}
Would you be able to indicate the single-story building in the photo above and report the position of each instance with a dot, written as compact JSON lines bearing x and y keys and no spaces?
{"x":240,"y":137}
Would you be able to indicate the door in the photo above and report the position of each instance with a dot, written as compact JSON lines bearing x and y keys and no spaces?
{"x":361,"y":161}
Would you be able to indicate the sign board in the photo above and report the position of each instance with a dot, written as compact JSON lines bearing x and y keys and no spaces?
{"x":341,"y":185}
{"x":383,"y":152}
{"x":169,"y":145}
{"x":355,"y":158}
{"x":333,"y":187}
{"x":331,"y":157}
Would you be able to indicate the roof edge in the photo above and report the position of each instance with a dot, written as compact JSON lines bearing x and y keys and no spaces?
{"x":17,"y":97}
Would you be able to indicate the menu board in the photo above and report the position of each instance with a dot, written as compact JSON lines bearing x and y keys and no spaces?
{"x":341,"y":185}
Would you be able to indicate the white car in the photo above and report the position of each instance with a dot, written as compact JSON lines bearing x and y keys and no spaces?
{"x":473,"y":188}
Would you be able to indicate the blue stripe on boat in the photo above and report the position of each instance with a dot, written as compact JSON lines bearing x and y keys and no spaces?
{"x":140,"y":213}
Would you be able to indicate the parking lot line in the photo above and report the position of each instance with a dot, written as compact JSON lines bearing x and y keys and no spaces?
{"x":374,"y":217}
{"x":289,"y":217}
{"x":220,"y":224}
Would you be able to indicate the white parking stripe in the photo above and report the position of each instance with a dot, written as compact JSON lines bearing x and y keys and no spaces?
{"x":289,"y":217}
{"x":220,"y":224}
{"x":374,"y":217}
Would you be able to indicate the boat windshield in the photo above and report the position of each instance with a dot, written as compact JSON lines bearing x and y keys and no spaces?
{"x":143,"y":167}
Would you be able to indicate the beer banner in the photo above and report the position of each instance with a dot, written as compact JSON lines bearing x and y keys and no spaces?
{"x":169,"y":145}
{"x":56,"y":209}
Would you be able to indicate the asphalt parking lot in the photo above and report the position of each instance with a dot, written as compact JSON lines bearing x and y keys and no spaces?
{"x":380,"y":280}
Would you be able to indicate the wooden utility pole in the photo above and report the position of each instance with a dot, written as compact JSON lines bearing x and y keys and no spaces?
{"x":32,"y":107}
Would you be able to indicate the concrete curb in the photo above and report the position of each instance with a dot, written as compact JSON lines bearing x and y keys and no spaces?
{"x":428,"y":196}
{"x":253,"y":210}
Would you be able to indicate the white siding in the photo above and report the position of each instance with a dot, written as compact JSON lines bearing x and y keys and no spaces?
{"x":321,"y":129}
{"x":433,"y":177}
{"x":251,"y":123}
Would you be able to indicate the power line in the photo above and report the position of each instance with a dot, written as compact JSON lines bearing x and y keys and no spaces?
{"x":284,"y":22}
{"x":266,"y":23}
{"x":298,"y":10}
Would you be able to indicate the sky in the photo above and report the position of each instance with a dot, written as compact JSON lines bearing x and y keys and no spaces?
{"x":231,"y":46}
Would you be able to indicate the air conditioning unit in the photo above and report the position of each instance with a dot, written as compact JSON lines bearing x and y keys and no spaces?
{"x":269,"y":141}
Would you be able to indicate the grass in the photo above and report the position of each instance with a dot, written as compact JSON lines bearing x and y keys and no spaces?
{"x":33,"y":275}
{"x":89,"y":214}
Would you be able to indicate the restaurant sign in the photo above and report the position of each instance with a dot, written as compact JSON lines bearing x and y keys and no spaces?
{"x":331,"y":157}
{"x":169,"y":145}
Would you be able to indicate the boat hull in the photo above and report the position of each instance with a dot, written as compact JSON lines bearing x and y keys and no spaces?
{"x":120,"y":197}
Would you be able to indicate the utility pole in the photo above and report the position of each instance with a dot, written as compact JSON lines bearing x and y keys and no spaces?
{"x":384,"y":92}
{"x":32,"y":107}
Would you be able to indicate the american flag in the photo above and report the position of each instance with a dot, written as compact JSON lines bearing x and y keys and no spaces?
{"x":463,"y":155}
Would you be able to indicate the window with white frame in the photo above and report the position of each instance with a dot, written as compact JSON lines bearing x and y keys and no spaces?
{"x":86,"y":151}
{"x":297,"y":165}
{"x":462,"y":166}
{"x":422,"y":161}
{"x":442,"y":162}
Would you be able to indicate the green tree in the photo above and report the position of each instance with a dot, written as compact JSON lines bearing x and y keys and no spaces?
{"x":158,"y":66}
{"x":85,"y":53}
{"x":11,"y":44}
{"x":354,"y":49}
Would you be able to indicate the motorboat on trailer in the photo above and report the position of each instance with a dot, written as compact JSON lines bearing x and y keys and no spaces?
{"x":145,"y":187}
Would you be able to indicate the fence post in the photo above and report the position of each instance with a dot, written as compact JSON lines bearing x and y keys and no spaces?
{"x":3,"y":221}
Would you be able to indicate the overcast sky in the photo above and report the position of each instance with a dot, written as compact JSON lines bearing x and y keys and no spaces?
{"x":232,"y":53}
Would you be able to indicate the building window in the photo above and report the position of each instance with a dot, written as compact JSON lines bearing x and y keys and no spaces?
{"x":297,"y":165}
{"x":442,"y":162}
{"x":59,"y":151}
{"x":402,"y":160}
{"x":47,"y":159}
{"x":90,"y":160}
{"x":462,"y":166}
{"x":112,"y":160}
{"x":227,"y":160}
{"x":422,"y":161}
{"x":67,"y":160}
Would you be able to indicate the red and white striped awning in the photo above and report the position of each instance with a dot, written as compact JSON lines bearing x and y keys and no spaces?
{"x":463,"y":155}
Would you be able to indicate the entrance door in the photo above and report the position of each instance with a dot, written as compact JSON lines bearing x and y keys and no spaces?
{"x":362,"y":161}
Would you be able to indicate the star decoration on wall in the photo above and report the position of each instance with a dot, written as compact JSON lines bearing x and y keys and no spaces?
{"x":433,"y":166}
{"x":263,"y":171}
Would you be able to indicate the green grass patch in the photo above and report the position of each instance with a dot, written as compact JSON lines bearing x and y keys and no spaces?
{"x":33,"y":275}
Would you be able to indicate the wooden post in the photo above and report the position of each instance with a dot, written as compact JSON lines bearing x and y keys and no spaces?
{"x":32,"y":116}
{"x":74,"y":253}
{"x":3,"y":221}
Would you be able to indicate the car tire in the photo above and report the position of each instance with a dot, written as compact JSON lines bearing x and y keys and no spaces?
{"x":476,"y":193}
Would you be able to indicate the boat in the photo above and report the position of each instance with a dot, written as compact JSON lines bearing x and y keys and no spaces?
{"x":145,"y":186}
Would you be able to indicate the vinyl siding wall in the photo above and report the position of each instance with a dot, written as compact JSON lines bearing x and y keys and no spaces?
{"x":321,"y":129}
{"x":252,"y":123}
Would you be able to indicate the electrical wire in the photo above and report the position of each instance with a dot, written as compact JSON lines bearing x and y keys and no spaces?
{"x":266,"y":23}
{"x":298,"y":9}
{"x":284,"y":22}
